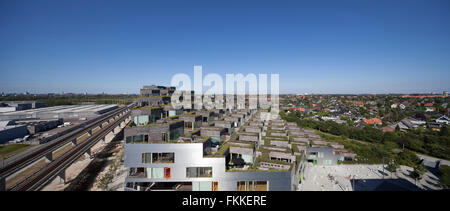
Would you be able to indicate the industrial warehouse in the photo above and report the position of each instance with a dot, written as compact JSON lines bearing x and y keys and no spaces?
{"x":18,"y":124}
{"x":57,"y":112}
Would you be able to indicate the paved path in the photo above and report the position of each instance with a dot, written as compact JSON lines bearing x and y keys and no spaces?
{"x":431,"y":161}
{"x":365,"y":178}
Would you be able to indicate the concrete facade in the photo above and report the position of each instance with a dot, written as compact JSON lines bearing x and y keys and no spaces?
{"x":191,"y":155}
{"x":323,"y":156}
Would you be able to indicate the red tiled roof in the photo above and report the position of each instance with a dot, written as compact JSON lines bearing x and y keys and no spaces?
{"x":295,"y":108}
{"x":373,"y":121}
{"x":376,"y":120}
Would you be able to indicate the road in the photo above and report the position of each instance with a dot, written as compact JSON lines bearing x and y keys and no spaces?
{"x":431,"y":161}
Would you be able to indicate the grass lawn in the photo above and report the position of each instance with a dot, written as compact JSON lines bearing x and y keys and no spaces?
{"x":10,"y":150}
{"x":373,"y":153}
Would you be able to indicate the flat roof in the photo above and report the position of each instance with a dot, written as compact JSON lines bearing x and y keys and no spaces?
{"x":58,"y":111}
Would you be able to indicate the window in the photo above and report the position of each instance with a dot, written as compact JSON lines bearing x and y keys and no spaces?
{"x":203,"y":186}
{"x":312,"y":155}
{"x":158,"y":173}
{"x":137,"y":173}
{"x":149,"y":172}
{"x":241,"y":186}
{"x":165,"y":157}
{"x":141,"y":120}
{"x":146,"y":157}
{"x":138,"y":139}
{"x":260,"y":185}
{"x":155,"y":157}
{"x":164,"y":137}
{"x":188,"y":125}
{"x":176,"y":133}
{"x":252,"y":186}
{"x":198,"y":172}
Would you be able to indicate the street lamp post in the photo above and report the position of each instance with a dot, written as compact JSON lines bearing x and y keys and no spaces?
{"x":353,"y":182}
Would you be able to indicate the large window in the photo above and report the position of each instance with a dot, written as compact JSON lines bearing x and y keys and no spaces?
{"x":141,"y":120}
{"x":155,"y":158}
{"x":205,"y":186}
{"x":198,"y":172}
{"x":158,"y":173}
{"x":165,"y":157}
{"x":138,"y":139}
{"x":252,"y":186}
{"x":176,"y":133}
{"x":137,"y":173}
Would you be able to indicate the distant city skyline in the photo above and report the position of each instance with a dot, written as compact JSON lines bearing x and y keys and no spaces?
{"x":316,"y":47}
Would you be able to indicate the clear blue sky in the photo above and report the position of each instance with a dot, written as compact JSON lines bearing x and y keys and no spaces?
{"x":316,"y":46}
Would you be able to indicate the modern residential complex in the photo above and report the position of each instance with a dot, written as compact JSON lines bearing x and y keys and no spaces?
{"x":219,"y":150}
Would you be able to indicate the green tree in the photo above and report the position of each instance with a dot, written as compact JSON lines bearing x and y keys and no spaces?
{"x":444,"y":172}
{"x":393,"y":167}
{"x":419,"y":170}
{"x":444,"y":131}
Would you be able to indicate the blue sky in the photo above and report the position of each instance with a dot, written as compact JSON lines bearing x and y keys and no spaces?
{"x":111,"y":46}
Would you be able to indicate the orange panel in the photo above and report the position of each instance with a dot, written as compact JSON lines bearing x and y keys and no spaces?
{"x":167,"y":172}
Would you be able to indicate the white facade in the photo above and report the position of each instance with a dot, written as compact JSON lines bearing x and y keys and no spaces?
{"x":191,"y":155}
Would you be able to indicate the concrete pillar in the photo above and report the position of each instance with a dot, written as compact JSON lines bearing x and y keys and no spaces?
{"x":62,"y":177}
{"x":88,"y":153}
{"x":108,"y":138}
{"x":49,"y":157}
{"x":2,"y":184}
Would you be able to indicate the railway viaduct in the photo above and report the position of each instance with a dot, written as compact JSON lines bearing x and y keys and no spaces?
{"x":34,"y":169}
